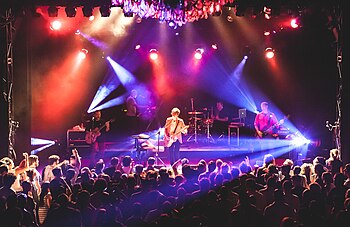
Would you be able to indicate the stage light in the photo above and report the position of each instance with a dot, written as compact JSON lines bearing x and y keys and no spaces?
{"x":52,"y":11}
{"x":267,"y":33}
{"x":267,"y":12}
{"x":215,"y":10}
{"x":153,"y":54}
{"x":138,"y":46}
{"x":55,"y":25}
{"x":246,"y":52}
{"x":105,"y":11}
{"x":229,"y":18}
{"x":198,"y":54}
{"x":138,"y":20}
{"x":87,"y":11}
{"x":214,"y":46}
{"x":172,"y":24}
{"x":82,"y":54}
{"x":269,"y":53}
{"x":71,"y":11}
{"x":294,"y":23}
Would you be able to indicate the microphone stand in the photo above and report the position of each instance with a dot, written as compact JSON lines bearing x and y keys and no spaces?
{"x":157,"y":152}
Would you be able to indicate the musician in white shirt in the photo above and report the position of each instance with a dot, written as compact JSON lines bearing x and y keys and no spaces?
{"x":173,"y":130}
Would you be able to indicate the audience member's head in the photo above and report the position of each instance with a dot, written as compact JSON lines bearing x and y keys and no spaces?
{"x":244,"y":167}
{"x":319,"y":160}
{"x":278,"y":195}
{"x":57,"y":172}
{"x":100,"y":185}
{"x":211,"y":166}
{"x":269,"y":159}
{"x":126,"y":161}
{"x":33,"y":161}
{"x":8,"y":162}
{"x":114,"y":161}
{"x":54,"y":159}
{"x":138,"y":168}
{"x":347,"y":170}
{"x":99,"y":166}
{"x":151,"y":161}
{"x":296,"y":170}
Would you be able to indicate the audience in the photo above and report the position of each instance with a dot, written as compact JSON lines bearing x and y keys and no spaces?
{"x":207,"y":193}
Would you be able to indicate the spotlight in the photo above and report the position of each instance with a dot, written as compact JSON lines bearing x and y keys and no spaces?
{"x":105,"y":11}
{"x":294,"y":23}
{"x":87,"y":11}
{"x":153,"y":54}
{"x":138,"y":20}
{"x":172,"y":24}
{"x":52,"y":11}
{"x":267,"y":33}
{"x":198,"y":53}
{"x":267,"y":12}
{"x":269,"y":53}
{"x":215,"y":10}
{"x":229,"y":18}
{"x":82,"y":54}
{"x":138,"y":46}
{"x":246,"y":52}
{"x":55,"y":25}
{"x":71,"y":11}
{"x":214,"y":46}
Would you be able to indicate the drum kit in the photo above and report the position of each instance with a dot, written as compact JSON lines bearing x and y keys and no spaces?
{"x":200,"y":122}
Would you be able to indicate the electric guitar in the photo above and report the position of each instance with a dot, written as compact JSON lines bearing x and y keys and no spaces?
{"x":168,"y":141}
{"x":269,"y":131}
{"x":91,"y":136}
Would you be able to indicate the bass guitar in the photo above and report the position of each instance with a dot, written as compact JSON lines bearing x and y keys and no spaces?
{"x":91,"y":136}
{"x":168,"y":141}
{"x":269,"y":131}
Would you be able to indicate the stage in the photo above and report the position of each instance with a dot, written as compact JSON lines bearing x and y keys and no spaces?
{"x":194,"y":152}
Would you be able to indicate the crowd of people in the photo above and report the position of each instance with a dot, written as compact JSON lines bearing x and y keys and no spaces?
{"x":123,"y":192}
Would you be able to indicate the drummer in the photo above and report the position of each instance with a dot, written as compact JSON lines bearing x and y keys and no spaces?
{"x":220,"y":116}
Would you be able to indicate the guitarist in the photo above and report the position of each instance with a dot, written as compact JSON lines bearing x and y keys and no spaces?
{"x":173,"y":130}
{"x":265,"y":123}
{"x":95,"y":130}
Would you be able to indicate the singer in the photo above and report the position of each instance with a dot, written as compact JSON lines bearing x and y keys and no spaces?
{"x":173,"y":130}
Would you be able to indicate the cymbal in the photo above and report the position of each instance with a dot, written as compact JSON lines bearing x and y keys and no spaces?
{"x":194,"y":112}
{"x":140,"y":136}
{"x":195,"y":118}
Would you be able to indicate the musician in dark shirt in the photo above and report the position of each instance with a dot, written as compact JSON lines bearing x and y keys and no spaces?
{"x":220,"y":117}
{"x":95,"y":135}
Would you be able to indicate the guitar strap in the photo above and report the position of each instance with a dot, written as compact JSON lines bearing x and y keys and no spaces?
{"x":176,"y":126}
{"x":268,"y":123}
